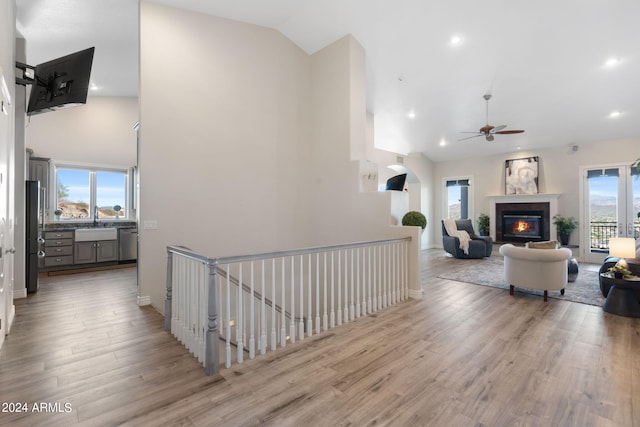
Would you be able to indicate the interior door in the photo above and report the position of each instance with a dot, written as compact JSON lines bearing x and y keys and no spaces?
{"x":612,"y":194}
{"x":6,"y":246}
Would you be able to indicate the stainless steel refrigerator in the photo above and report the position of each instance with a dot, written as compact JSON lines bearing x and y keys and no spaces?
{"x":33,"y":234}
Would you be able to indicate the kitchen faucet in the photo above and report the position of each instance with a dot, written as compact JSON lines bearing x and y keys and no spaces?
{"x":95,"y":215}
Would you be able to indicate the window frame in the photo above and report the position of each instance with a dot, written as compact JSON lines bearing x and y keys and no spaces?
{"x":470,"y":196}
{"x":92,"y":168}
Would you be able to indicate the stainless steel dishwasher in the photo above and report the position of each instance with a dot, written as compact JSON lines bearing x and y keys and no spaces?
{"x":128,"y":244}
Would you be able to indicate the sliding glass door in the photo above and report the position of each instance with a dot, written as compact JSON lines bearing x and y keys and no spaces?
{"x":613,"y":202}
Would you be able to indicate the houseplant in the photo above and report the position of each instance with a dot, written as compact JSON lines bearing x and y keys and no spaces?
{"x":483,"y":224}
{"x":564,"y":227}
{"x":414,"y":218}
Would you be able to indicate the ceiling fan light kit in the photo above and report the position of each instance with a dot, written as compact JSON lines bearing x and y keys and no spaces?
{"x":488,"y":130}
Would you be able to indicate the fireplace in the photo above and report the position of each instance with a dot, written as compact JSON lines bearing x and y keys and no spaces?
{"x":522,"y":226}
{"x":522,"y":222}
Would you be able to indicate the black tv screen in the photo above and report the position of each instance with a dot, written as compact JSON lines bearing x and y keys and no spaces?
{"x":62,"y":82}
{"x":396,"y":182}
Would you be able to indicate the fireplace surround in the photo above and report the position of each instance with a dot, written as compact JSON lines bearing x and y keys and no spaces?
{"x":546,"y":203}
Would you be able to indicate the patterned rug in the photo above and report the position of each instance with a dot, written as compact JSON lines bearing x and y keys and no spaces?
{"x":490,"y":272}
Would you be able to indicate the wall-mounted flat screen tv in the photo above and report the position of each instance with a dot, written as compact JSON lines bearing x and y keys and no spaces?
{"x":61,"y":83}
{"x":396,"y":183}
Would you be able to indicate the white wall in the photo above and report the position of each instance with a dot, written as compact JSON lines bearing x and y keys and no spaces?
{"x":221,"y":147}
{"x":101,"y":131}
{"x":559,"y":172}
{"x":251,"y":151}
{"x":7,"y":165}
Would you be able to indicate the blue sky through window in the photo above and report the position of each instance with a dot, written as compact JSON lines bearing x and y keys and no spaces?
{"x":110,"y":186}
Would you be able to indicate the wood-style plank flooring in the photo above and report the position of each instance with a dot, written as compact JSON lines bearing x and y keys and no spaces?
{"x":465,"y":355}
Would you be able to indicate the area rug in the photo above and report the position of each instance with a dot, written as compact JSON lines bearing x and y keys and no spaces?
{"x":490,"y":272}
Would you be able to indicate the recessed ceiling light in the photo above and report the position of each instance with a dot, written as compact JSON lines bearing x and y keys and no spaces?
{"x":456,"y":40}
{"x":411,"y":114}
{"x":615,"y":114}
{"x":443,"y":143}
{"x":612,"y":62}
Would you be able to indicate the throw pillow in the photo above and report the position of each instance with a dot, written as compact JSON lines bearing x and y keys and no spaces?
{"x":552,"y":244}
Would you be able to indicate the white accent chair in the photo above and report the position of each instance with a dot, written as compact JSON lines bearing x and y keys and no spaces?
{"x":542,"y":269}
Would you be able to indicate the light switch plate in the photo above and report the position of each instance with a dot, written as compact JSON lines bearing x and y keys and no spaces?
{"x":150,"y":225}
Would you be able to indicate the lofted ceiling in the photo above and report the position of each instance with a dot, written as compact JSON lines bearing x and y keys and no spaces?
{"x":555,"y":69}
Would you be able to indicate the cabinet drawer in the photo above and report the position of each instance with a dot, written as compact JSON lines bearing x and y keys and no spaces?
{"x":57,"y":242}
{"x":55,"y":235}
{"x":58,"y":250}
{"x":50,"y":261}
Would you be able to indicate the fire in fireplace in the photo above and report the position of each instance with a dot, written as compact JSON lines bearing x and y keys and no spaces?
{"x":516,"y":226}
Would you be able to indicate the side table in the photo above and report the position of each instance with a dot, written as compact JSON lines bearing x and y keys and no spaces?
{"x":624,"y":296}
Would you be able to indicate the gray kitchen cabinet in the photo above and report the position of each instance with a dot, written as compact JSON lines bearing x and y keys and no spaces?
{"x":58,"y":248}
{"x":98,"y":251}
{"x":107,"y":250}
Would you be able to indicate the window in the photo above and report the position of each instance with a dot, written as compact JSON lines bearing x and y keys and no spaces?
{"x":79,"y":190}
{"x":457,"y":198}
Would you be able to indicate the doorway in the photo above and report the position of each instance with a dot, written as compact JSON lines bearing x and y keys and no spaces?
{"x":611,"y":208}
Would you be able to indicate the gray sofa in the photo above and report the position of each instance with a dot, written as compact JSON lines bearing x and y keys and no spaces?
{"x":479,"y":246}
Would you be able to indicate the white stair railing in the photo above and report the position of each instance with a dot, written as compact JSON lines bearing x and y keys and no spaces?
{"x":257,"y":303}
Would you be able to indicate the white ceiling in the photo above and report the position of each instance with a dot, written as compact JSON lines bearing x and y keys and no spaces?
{"x":543,"y":62}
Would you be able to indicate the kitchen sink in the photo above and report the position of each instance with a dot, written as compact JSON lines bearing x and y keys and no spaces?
{"x":91,"y":234}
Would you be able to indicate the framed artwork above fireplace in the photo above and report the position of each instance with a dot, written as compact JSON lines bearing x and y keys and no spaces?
{"x":521,"y":176}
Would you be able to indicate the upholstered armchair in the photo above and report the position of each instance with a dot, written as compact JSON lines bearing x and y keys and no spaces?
{"x":479,"y":246}
{"x":542,"y":269}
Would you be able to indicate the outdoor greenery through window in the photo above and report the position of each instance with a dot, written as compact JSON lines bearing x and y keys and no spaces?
{"x":80,"y":190}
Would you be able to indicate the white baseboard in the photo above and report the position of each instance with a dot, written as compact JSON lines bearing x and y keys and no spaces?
{"x":416,"y":294}
{"x":12,"y":314}
{"x":19,"y":293}
{"x":144,"y":301}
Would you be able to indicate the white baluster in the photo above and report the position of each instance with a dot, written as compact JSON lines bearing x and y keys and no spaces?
{"x":346,"y":286}
{"x":339,"y":288}
{"x":363,"y":309}
{"x":240,"y":322}
{"x":357,"y":282}
{"x":385,"y":296}
{"x":317,"y":293}
{"x":394,"y":266}
{"x":301,"y":326}
{"x":310,"y":323}
{"x":252,"y":325}
{"x":292,"y":324}
{"x":325,"y":318}
{"x":227,"y":361}
{"x":376,"y":262}
{"x":333,"y":313}
{"x":273,"y":305}
{"x":371,"y":279}
{"x":283,"y":318}
{"x":352,"y":307}
{"x":263,"y":316}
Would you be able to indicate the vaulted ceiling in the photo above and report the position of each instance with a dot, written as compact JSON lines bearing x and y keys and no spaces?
{"x":557,"y":69}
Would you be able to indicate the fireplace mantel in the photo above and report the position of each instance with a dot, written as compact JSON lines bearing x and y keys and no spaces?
{"x":523,"y":198}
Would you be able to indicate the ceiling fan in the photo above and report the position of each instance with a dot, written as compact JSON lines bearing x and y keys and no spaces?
{"x":487,"y":130}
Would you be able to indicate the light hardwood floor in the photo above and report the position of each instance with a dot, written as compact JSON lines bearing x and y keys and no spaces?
{"x":465,"y":355}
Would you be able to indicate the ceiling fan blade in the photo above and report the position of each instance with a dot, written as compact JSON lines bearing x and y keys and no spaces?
{"x":498,"y":128}
{"x":469,"y":137}
{"x":508,"y":132}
